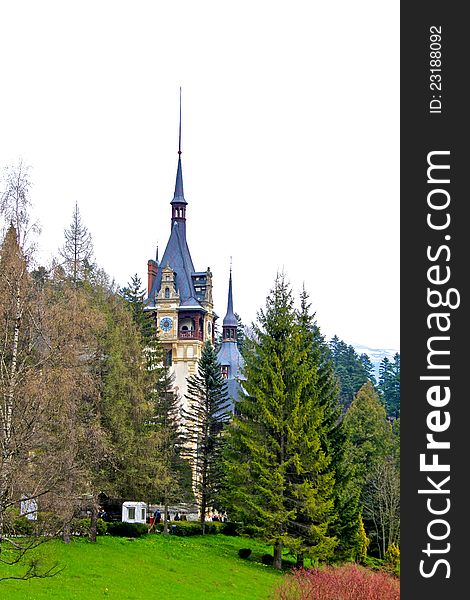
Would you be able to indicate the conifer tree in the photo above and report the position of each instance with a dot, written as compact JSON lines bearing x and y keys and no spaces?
{"x":278,"y":471}
{"x":167,"y":472}
{"x":370,"y":449}
{"x":368,"y":367}
{"x":124,"y":406}
{"x":77,"y":251}
{"x":389,"y":385}
{"x":172,"y":473}
{"x":369,"y":432}
{"x":240,"y":334}
{"x":204,"y":421}
{"x":345,"y":522}
{"x":352,"y":370}
{"x":134,"y":295}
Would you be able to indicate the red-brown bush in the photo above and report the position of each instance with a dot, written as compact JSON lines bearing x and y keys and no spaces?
{"x":349,"y":582}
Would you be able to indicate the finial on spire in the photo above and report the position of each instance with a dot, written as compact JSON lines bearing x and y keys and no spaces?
{"x":178,"y":197}
{"x":179,"y":137}
{"x":156,"y":256}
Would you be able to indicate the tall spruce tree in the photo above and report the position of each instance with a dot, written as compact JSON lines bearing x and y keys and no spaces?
{"x":370,"y":444}
{"x":134,"y":295}
{"x":77,"y":251}
{"x":124,"y":406}
{"x":352,"y":370}
{"x":279,"y":477}
{"x":168,"y":474}
{"x":346,"y":522}
{"x":389,"y":385}
{"x":204,"y":421}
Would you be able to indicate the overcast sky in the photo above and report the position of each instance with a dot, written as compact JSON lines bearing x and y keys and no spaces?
{"x":290,"y":142}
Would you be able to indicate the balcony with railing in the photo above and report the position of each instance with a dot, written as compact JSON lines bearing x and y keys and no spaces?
{"x":190,"y":334}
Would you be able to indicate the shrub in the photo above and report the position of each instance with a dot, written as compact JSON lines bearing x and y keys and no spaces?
{"x":122,"y":529}
{"x":348,"y":582}
{"x":188,"y":528}
{"x":20,"y":525}
{"x":230,"y":528}
{"x":374,"y":563}
{"x":267,"y":559}
{"x":185,"y":528}
{"x":244,"y":552}
{"x":363,"y":542}
{"x":101,"y":527}
{"x":392,"y":559}
{"x":81,"y":526}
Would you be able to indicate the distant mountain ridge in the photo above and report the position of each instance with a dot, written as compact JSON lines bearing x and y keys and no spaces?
{"x":376,"y":355}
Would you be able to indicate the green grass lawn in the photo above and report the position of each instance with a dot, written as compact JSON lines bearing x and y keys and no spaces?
{"x":151,"y":567}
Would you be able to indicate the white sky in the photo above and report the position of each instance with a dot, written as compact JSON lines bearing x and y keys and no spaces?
{"x":290,"y":142}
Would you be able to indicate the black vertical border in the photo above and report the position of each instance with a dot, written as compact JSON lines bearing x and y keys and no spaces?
{"x":420,"y":133}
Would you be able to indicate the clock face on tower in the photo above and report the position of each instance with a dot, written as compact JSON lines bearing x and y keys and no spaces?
{"x":166,"y":323}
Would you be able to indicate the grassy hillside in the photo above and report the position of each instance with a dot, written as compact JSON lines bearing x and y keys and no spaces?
{"x":176,"y":568}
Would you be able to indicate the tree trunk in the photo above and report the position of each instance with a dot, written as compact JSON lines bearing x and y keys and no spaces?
{"x":7,"y":413}
{"x":66,"y":531}
{"x":300,"y":560}
{"x":277,"y":563}
{"x":203,"y":496}
{"x":94,"y":522}
{"x":165,"y":518}
{"x":203,"y":522}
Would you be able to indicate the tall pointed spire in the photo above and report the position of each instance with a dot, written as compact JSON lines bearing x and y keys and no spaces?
{"x":178,"y":197}
{"x":230,"y":320}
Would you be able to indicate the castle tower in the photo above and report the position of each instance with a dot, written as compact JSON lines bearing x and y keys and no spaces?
{"x":180,"y":296}
{"x":229,"y":357}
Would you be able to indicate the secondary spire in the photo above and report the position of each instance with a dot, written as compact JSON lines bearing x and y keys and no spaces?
{"x":230,"y":320}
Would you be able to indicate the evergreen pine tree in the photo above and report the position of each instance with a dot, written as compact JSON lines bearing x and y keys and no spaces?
{"x":279,"y":478}
{"x":240,"y":334}
{"x":204,"y":421}
{"x":167,"y":472}
{"x":346,"y":516}
{"x":353,"y":371}
{"x":389,"y":385}
{"x":370,"y":445}
{"x":172,"y":473}
{"x":77,"y":251}
{"x":368,"y":367}
{"x":134,"y":295}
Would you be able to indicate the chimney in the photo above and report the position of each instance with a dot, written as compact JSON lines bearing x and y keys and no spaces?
{"x":152,"y":274}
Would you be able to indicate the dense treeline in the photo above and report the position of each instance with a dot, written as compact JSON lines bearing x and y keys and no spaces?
{"x":354,"y":370}
{"x":87,"y":406}
{"x":309,"y":461}
{"x":307,"y":470}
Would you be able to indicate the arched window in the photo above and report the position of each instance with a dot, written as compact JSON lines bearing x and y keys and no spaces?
{"x":168,"y":358}
{"x":167,"y":293}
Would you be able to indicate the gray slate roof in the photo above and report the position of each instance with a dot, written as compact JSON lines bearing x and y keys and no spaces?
{"x":178,"y":197}
{"x":229,"y":354}
{"x":178,"y":257}
{"x":230,"y":320}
